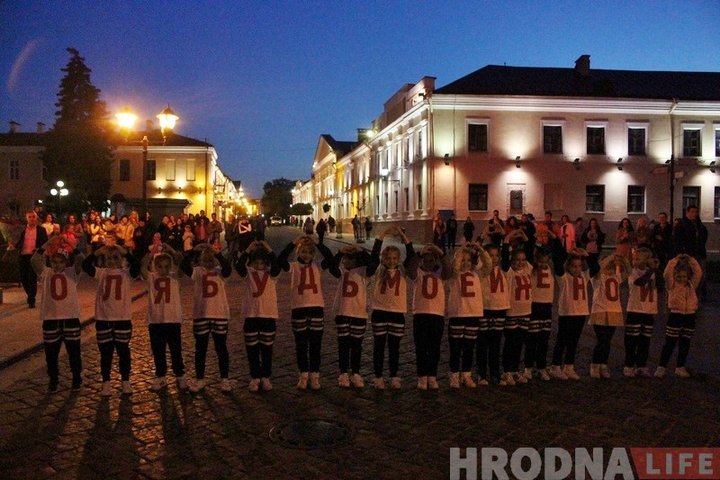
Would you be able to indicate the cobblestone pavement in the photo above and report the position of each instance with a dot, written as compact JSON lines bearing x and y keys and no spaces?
{"x":394,"y":434}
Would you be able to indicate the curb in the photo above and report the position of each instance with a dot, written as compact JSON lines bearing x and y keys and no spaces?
{"x":39,"y":346}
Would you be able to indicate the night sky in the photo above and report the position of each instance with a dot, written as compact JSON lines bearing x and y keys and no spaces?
{"x":261,"y":80}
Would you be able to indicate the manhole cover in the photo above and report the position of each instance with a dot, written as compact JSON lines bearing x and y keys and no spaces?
{"x":311,"y":433}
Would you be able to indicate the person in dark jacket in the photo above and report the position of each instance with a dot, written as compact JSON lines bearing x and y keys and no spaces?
{"x":690,"y":237}
{"x":32,"y":237}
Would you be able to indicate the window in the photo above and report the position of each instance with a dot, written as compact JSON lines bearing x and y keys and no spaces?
{"x":419,"y":197}
{"x":190,"y":170}
{"x":716,"y":208}
{"x":407,"y":199}
{"x":151,"y":170}
{"x":377,"y":204}
{"x":690,"y":196}
{"x":419,"y":146}
{"x":552,"y":139}
{"x":636,"y":141}
{"x":478,"y":197}
{"x":595,"y":198}
{"x":124,"y":170}
{"x":636,"y":199}
{"x":170,"y":169}
{"x":692,"y":146}
{"x":717,"y":142}
{"x":477,"y":137}
{"x":596,"y":140}
{"x":396,"y":201}
{"x":14,"y":172}
{"x":387,"y":207}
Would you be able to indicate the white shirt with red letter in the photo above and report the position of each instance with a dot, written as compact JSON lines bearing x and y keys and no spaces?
{"x":305,"y":287}
{"x":606,"y":293}
{"x":573,"y":299}
{"x":390,"y":293}
{"x":260,"y":295}
{"x":429,"y":294}
{"x":113,"y":299}
{"x":351,"y":295}
{"x":60,"y":297}
{"x":520,"y":282}
{"x":642,"y":298}
{"x":163,"y":299}
{"x":465,"y":295}
{"x":543,"y":285}
{"x":209,"y":297}
{"x":496,"y":293}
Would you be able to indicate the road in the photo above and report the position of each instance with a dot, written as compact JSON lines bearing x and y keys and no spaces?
{"x":388,"y":434}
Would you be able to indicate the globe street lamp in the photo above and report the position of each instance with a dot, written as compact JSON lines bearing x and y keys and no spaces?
{"x":59,"y":192}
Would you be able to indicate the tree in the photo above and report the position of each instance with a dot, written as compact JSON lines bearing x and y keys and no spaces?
{"x":300,"y":209}
{"x":277,"y":197}
{"x":78,"y":151}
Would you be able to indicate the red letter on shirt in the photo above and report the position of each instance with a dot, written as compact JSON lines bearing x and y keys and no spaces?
{"x":543,"y":278}
{"x":307,"y":280}
{"x":210,"y":287}
{"x":260,"y":283}
{"x":497,"y":281}
{"x":466,"y":284}
{"x":350,"y":288}
{"x":430,"y":287}
{"x":109,"y":280}
{"x":578,"y":287}
{"x":522,"y":284}
{"x":392,"y":280}
{"x":162,"y":290}
{"x":58,"y":287}
{"x":612,"y":289}
{"x":647,"y":293}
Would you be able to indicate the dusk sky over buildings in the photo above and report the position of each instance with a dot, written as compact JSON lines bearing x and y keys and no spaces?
{"x":261,"y":80}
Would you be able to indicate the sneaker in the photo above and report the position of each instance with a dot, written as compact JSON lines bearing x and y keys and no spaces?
{"x":422,"y":383}
{"x":660,"y":372}
{"x":594,"y":370}
{"x":467,"y":380}
{"x":643,"y":372}
{"x":158,"y":384}
{"x":682,"y":372}
{"x":557,"y":373}
{"x":519,"y":378}
{"x":544,"y":375}
{"x":126,"y":387}
{"x":254,"y":385}
{"x":266,"y":384}
{"x":454,"y":380}
{"x":302,"y":381}
{"x":106,"y":389}
{"x":604,"y":371}
{"x":395,"y":383}
{"x":379,"y":384}
{"x":433,"y":383}
{"x":528,"y":374}
{"x":76,"y":383}
{"x":507,"y":380}
{"x":182,"y":383}
{"x":483,"y":382}
{"x":315,"y":380}
{"x":629,"y":372}
{"x":569,"y":371}
{"x":357,"y":380}
{"x":344,"y":380}
{"x":225,"y":385}
{"x":53,"y":385}
{"x":197,"y":385}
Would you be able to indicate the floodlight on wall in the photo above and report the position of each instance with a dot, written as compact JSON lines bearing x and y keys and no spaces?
{"x":517,"y":161}
{"x":712,"y":166}
{"x":619,"y":164}
{"x":447,"y":159}
{"x":668,"y":161}
{"x":576,"y":163}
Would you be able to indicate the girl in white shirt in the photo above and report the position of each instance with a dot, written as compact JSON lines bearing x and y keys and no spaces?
{"x":259,"y":268}
{"x":543,"y":297}
{"x":496,"y":302}
{"x":517,"y":322}
{"x":59,"y":307}
{"x":211,"y":312}
{"x":642,"y":307}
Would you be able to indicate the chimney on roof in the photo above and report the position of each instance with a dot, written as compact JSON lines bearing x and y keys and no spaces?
{"x":582,"y":65}
{"x":40,"y":127}
{"x":14,"y":126}
{"x":149,"y":125}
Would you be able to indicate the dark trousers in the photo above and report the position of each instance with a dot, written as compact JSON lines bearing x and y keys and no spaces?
{"x":307,"y":326}
{"x":638,"y":332}
{"x":388,"y":327}
{"x":202,"y":328}
{"x":538,"y":337}
{"x":603,"y":337}
{"x":515,"y":331}
{"x":55,"y":333}
{"x":489,"y":343}
{"x":350,"y":333}
{"x":28,"y":278}
{"x":427,"y":335}
{"x":679,"y":330}
{"x":462,"y":335}
{"x":569,"y":330}
{"x":259,"y":339}
{"x":114,"y":336}
{"x":164,"y":336}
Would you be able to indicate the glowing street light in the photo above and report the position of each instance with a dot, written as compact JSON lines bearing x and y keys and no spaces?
{"x":59,"y":192}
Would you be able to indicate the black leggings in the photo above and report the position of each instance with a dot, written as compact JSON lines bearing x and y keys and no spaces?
{"x":603,"y":335}
{"x":570,"y":328}
{"x":388,"y":327}
{"x":259,"y":339}
{"x":55,"y":333}
{"x":638,"y":332}
{"x":111,"y":336}
{"x":202,"y":328}
{"x":679,"y":330}
{"x":427,"y":334}
{"x":462,"y":335}
{"x":350,"y":333}
{"x":162,"y":336}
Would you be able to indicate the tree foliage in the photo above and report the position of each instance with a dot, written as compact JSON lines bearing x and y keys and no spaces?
{"x":301,"y":209}
{"x":277,"y":197}
{"x":78,"y":150}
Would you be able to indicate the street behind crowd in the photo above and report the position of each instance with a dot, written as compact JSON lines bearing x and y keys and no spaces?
{"x":378,"y":434}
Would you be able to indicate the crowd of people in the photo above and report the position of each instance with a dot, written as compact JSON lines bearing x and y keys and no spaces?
{"x":495,"y":299}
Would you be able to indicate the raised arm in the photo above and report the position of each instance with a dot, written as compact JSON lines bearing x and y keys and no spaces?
{"x":88,"y":265}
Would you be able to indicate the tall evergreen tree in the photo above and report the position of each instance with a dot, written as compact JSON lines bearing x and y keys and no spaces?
{"x":78,"y":150}
{"x":277,"y":197}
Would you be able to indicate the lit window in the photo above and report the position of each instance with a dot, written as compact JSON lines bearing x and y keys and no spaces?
{"x":595,"y":198}
{"x":596,"y":140}
{"x":477,"y":137}
{"x":478,"y":197}
{"x":636,"y":199}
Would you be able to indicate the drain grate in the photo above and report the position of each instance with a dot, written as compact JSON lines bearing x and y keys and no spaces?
{"x":311,"y":433}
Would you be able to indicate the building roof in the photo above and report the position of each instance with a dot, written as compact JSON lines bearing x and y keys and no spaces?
{"x":570,"y":82}
{"x":340,"y":147}
{"x":24,"y":139}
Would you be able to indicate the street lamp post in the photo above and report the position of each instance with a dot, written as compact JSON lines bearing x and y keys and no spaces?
{"x":59,"y":192}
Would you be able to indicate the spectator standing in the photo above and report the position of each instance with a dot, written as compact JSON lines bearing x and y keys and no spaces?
{"x":32,"y":237}
{"x":320,"y":229}
{"x":468,"y":230}
{"x":451,"y":231}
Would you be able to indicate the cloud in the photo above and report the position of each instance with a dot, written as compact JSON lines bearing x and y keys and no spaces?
{"x":19,"y":64}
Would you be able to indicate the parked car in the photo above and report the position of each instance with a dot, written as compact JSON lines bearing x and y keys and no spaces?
{"x":276,"y":220}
